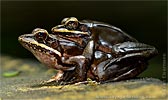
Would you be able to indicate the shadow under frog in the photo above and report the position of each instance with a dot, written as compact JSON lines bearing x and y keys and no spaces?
{"x":88,"y":49}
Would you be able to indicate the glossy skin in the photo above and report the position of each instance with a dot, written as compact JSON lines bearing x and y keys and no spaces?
{"x":89,"y":49}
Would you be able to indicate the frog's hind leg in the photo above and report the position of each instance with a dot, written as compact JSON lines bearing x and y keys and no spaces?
{"x":138,"y":68}
{"x":135,"y":70}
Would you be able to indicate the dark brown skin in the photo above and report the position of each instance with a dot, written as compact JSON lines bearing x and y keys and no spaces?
{"x":88,"y":49}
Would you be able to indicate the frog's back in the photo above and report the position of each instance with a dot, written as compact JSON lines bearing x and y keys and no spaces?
{"x":108,"y":34}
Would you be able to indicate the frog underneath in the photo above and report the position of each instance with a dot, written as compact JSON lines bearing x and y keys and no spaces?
{"x":88,"y":49}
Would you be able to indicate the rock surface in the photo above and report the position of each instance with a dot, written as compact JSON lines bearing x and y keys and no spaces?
{"x":26,"y":85}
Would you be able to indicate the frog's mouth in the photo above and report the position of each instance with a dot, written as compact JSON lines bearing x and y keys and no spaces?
{"x":32,"y":45}
{"x":61,"y":30}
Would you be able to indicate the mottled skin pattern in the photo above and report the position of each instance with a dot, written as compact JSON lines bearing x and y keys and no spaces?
{"x":88,"y":49}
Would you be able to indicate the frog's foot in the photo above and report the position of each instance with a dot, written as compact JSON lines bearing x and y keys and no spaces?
{"x":88,"y":81}
{"x":62,"y":78}
{"x":55,"y":80}
{"x":49,"y":83}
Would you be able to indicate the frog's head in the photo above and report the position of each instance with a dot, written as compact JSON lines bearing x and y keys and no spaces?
{"x":39,"y":40}
{"x":71,"y":27}
{"x":44,"y":46}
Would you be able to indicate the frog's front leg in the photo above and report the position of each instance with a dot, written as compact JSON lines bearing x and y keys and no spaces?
{"x":76,"y":72}
{"x":62,"y":77}
{"x":81,"y":63}
{"x":81,"y":66}
{"x":57,"y":78}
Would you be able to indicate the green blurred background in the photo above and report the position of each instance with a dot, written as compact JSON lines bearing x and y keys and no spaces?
{"x":144,"y":20}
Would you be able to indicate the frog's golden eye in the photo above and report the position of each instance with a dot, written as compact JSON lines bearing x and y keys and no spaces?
{"x":72,"y":25}
{"x":41,"y":36}
{"x":66,"y":20}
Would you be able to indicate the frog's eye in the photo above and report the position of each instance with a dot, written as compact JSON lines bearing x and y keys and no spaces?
{"x":41,"y":36}
{"x":72,"y":25}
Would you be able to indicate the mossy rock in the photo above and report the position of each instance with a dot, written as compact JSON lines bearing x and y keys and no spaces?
{"x":26,"y":85}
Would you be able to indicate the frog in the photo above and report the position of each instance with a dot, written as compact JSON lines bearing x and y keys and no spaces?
{"x":88,"y":49}
{"x":53,"y":52}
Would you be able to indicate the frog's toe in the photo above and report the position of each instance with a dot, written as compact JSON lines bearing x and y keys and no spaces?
{"x":50,"y":83}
